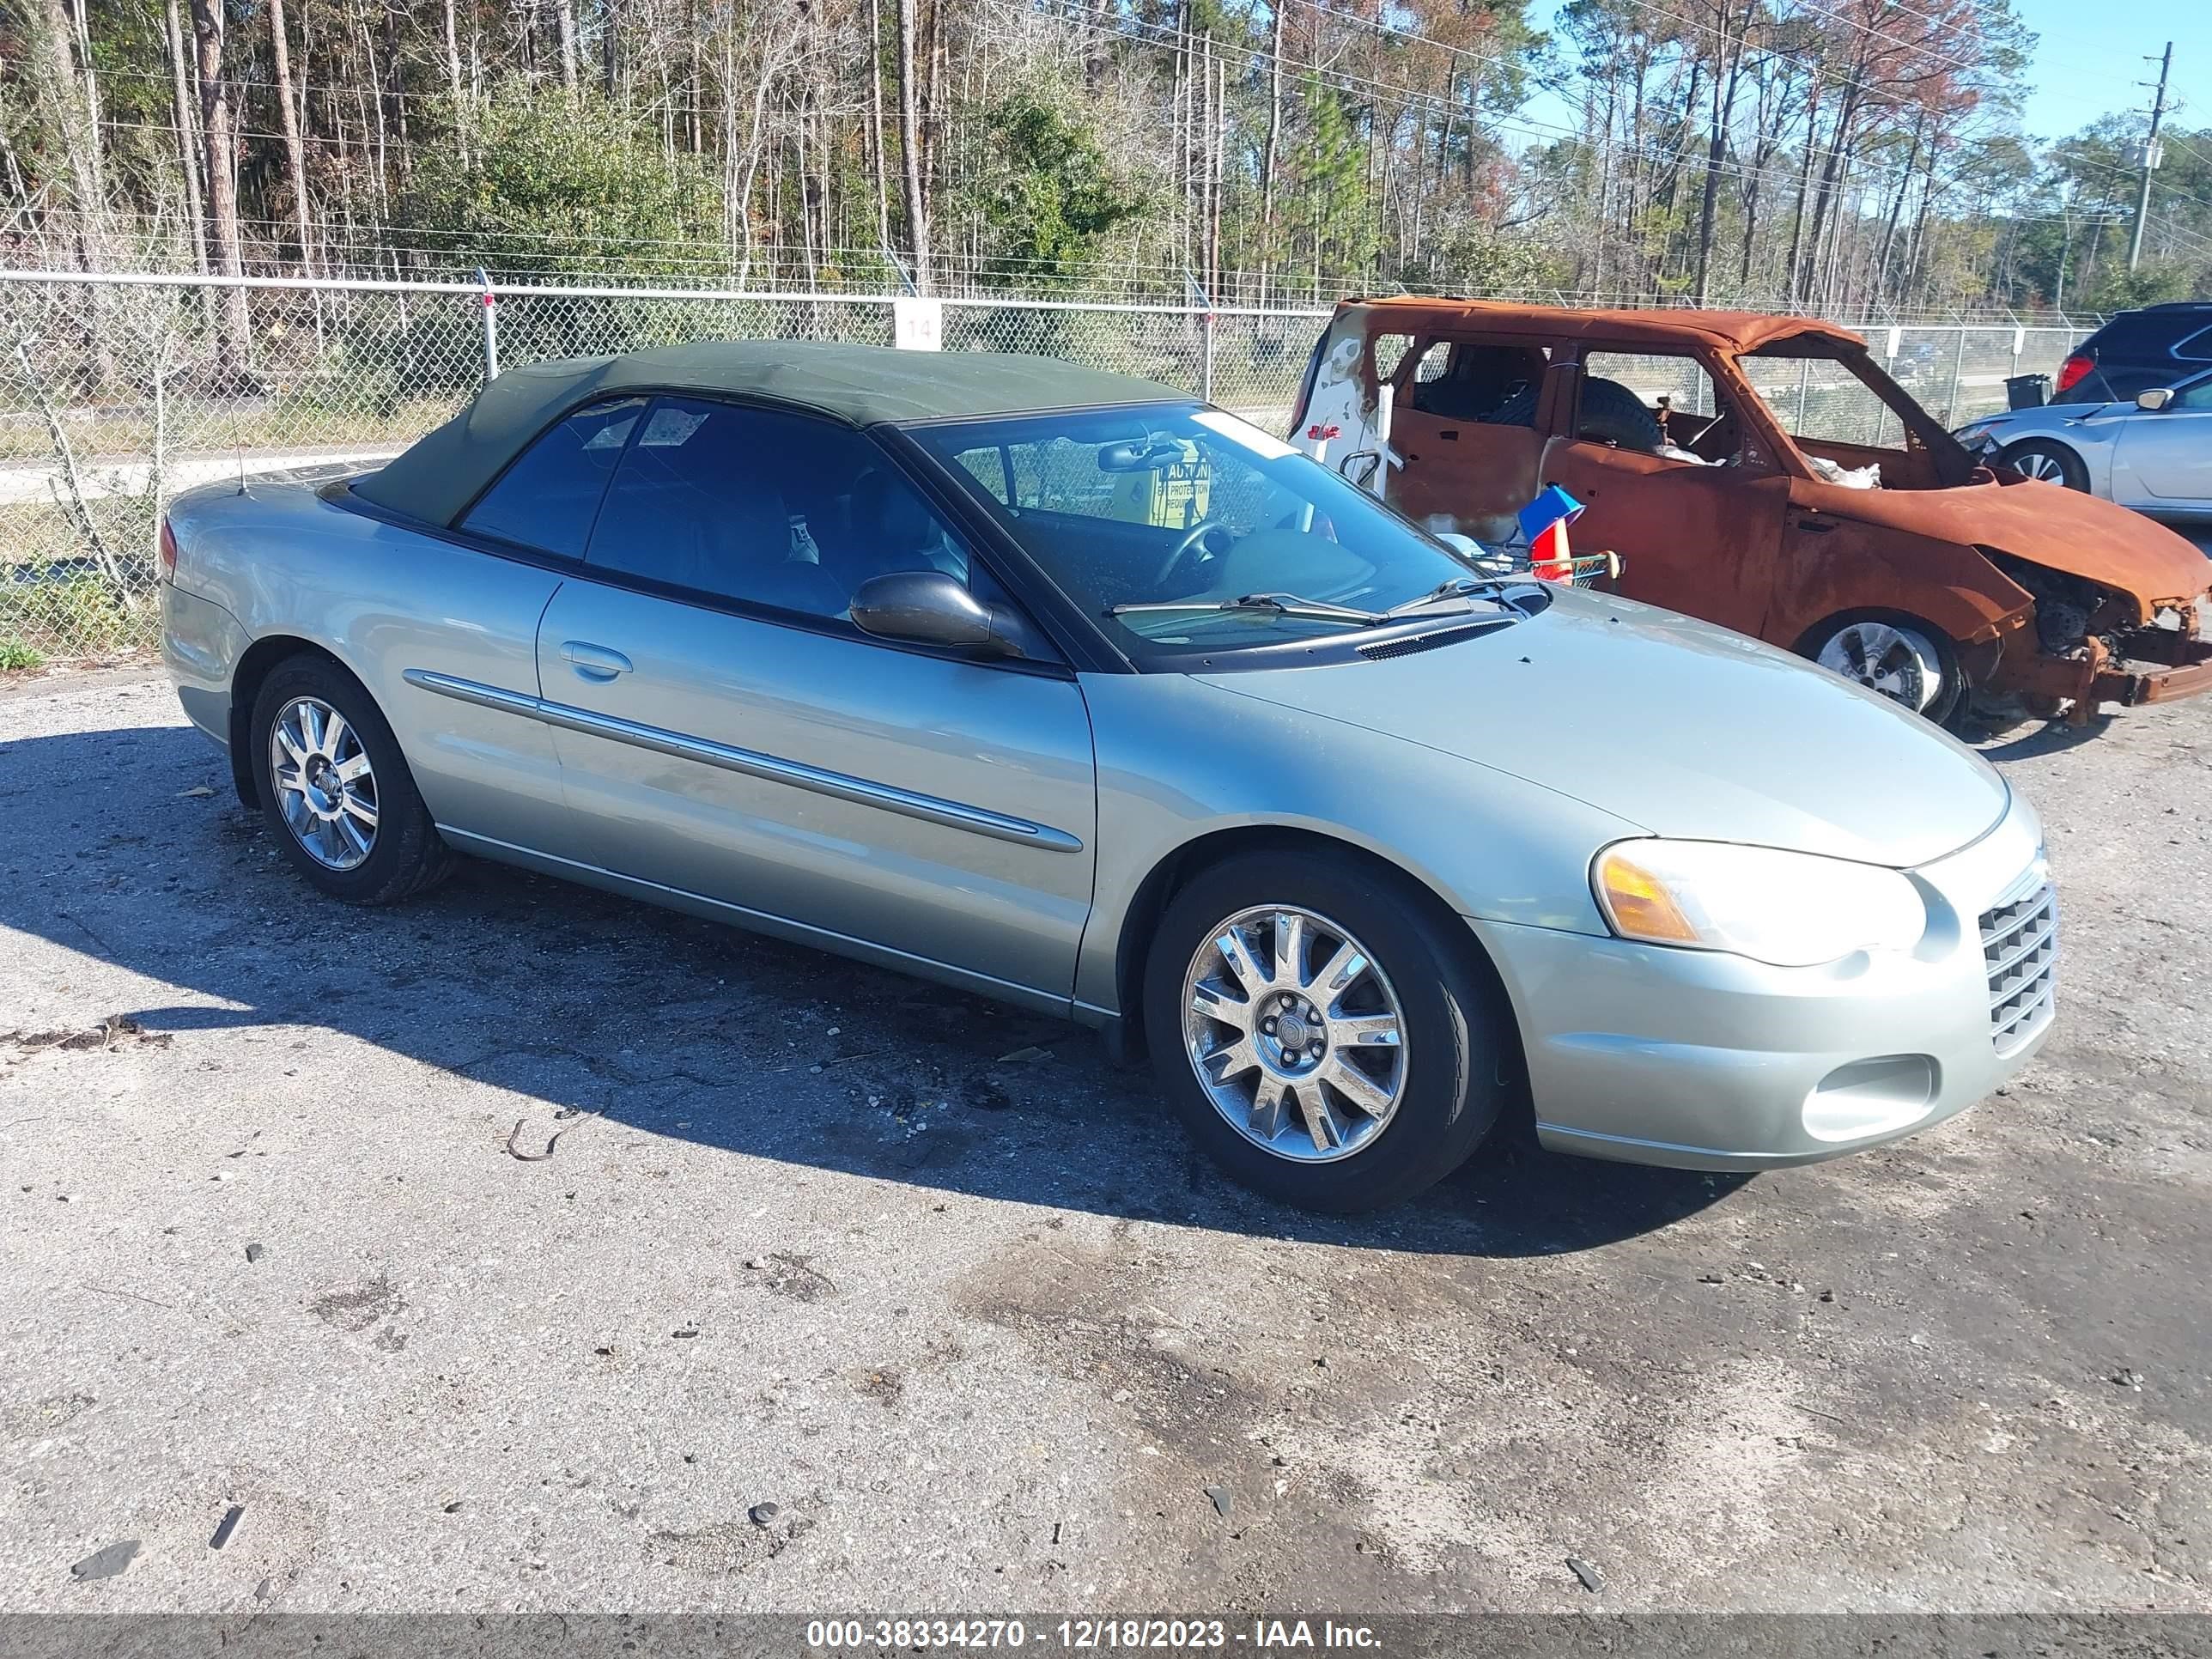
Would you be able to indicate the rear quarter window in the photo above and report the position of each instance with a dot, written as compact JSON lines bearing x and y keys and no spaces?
{"x":2149,"y":333}
{"x":548,"y":496}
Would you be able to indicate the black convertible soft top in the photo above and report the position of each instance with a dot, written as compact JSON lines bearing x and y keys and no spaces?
{"x":864,"y":385}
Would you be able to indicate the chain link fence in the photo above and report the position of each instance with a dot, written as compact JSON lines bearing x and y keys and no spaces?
{"x":118,"y":391}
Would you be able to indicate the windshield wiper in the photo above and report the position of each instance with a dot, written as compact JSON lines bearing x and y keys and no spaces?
{"x":1455,"y":588}
{"x":1280,"y":605}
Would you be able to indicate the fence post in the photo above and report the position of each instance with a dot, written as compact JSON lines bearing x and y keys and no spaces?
{"x":1206,"y":359}
{"x":490,"y":326}
{"x":1958,"y":374}
{"x":155,"y":483}
{"x":1892,"y":339}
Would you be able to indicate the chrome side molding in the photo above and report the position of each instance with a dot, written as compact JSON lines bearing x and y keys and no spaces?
{"x":930,"y":809}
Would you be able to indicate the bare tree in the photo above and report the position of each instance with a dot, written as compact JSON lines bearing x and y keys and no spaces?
{"x":1269,"y":155}
{"x":69,"y":95}
{"x":1724,"y":84}
{"x":189,"y":159}
{"x":910,"y":159}
{"x":294,"y":152}
{"x":564,"y":22}
{"x":221,"y":161}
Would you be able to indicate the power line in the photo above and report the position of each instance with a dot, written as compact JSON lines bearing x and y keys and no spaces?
{"x":1873,"y":33}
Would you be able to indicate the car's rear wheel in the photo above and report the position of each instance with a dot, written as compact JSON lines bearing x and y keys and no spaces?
{"x":336,"y":790}
{"x":1320,"y":1032}
{"x":1901,"y":658}
{"x":2037,"y":458}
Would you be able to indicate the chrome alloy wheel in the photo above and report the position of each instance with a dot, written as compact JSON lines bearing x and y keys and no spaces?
{"x":2039,"y":464}
{"x":1902,"y":663}
{"x":1306,"y":1062}
{"x":325,"y":784}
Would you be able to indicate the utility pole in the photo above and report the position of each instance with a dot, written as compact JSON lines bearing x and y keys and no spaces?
{"x":2149,"y":158}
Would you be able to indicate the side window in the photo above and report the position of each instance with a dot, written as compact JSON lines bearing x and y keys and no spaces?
{"x":2195,"y":396}
{"x":1474,"y":380}
{"x":1661,"y":404}
{"x":1388,"y":351}
{"x":766,"y":508}
{"x":547,"y":498}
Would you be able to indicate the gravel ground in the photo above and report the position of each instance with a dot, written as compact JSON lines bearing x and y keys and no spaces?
{"x":945,"y":1290}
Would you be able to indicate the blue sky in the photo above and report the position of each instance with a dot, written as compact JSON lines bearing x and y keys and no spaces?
{"x":2092,"y":51}
{"x":2089,"y":55}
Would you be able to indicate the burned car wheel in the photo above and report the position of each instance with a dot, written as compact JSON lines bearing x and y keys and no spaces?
{"x":1322,"y":1035}
{"x":2033,"y":457}
{"x":1900,"y":658}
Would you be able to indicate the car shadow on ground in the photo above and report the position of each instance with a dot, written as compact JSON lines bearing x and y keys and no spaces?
{"x":580,"y":1005}
{"x":2021,"y":740}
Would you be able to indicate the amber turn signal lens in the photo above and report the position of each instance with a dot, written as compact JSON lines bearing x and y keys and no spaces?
{"x":1639,"y":903}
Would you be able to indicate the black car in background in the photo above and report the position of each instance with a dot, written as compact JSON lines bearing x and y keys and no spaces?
{"x":2137,"y":350}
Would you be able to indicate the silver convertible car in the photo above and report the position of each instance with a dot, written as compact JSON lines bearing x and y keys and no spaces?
{"x":1062,"y":687}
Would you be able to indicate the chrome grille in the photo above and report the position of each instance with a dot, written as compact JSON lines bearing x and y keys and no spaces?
{"x":2019,"y":947}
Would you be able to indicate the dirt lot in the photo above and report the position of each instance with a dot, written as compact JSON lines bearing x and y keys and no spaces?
{"x":934,"y":1281}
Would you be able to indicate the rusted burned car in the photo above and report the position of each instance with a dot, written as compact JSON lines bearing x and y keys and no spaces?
{"x":1764,"y":472}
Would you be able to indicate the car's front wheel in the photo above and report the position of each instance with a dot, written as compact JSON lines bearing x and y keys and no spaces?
{"x":336,"y":790}
{"x":1320,"y":1030}
{"x":2034,"y":457}
{"x":1900,"y":658}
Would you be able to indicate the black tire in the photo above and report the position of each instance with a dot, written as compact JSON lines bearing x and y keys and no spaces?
{"x":1612,"y":414}
{"x":2072,"y":472}
{"x":407,"y":854}
{"x":1459,"y":1045}
{"x":1519,"y":409}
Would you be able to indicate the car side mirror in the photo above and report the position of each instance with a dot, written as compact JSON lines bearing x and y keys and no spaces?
{"x":927,"y":607}
{"x":2155,"y":400}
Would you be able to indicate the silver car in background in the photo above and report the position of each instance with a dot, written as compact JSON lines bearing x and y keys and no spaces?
{"x":1063,"y":688}
{"x":2153,"y":453}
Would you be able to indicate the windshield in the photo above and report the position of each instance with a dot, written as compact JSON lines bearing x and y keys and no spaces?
{"x":1837,"y":404}
{"x":1176,"y":510}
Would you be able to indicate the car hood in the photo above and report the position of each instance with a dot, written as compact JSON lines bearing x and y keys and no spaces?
{"x":1678,"y":726}
{"x":2059,"y":529}
{"x":2043,"y":417}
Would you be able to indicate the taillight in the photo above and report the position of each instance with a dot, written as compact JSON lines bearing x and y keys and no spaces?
{"x":2073,"y":372}
{"x":168,"y":552}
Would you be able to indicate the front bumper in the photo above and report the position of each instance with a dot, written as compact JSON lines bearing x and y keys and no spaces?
{"x":1704,"y":1061}
{"x":2182,"y":668}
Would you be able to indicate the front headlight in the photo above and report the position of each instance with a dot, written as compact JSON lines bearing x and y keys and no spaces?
{"x":1792,"y":909}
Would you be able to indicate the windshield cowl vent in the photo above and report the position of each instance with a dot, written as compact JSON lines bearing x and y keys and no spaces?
{"x":1429,"y":641}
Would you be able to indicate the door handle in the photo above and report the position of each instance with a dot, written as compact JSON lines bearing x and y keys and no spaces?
{"x":593,"y":662}
{"x":1815,"y":526}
